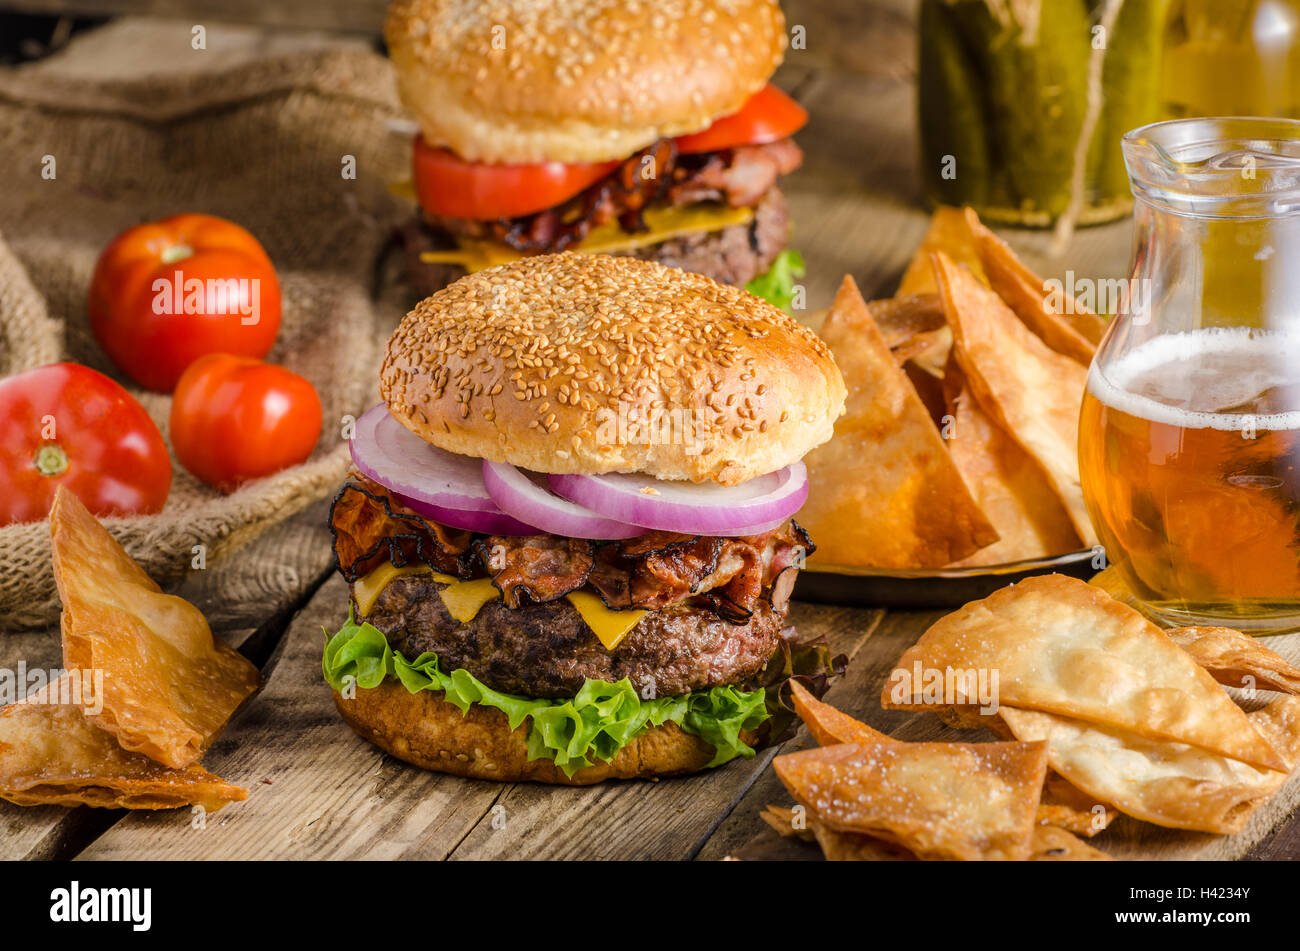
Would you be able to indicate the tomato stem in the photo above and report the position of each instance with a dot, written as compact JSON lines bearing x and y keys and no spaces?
{"x":51,"y":460}
{"x":176,"y":252}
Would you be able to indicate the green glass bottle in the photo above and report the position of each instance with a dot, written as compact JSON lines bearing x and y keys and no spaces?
{"x":1023,"y":102}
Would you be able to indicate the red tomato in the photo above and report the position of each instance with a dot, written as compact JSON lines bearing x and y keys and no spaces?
{"x":166,"y":293}
{"x":66,"y":424}
{"x":235,"y":419}
{"x":767,"y":116}
{"x":447,"y":184}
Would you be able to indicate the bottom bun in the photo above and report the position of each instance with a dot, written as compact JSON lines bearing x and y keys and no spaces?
{"x":426,"y":731}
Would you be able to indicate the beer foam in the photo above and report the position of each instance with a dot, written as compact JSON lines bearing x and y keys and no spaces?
{"x":1186,"y":375}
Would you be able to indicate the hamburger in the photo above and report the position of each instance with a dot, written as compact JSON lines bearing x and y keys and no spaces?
{"x":567,"y":531}
{"x":641,"y":129}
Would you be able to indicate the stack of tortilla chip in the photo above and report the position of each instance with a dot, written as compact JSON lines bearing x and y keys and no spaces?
{"x":1132,"y":720}
{"x":146,"y":690}
{"x":868,"y":796}
{"x":957,"y":448}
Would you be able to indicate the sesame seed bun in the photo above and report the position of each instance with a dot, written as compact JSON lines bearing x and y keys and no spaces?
{"x":557,"y":363}
{"x":427,"y":731}
{"x":576,"y":80}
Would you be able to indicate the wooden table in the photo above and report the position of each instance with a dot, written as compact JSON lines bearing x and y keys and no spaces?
{"x":318,"y":791}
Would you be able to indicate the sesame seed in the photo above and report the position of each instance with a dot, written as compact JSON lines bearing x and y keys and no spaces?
{"x":584,"y":334}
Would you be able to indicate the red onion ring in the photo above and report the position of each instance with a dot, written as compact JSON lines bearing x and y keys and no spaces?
{"x":392,"y":455}
{"x":487,"y":523}
{"x":432,"y":482}
{"x":517,"y":494}
{"x":689,"y":508}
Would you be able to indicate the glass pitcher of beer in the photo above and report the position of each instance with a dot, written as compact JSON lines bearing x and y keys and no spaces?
{"x":1189,"y":438}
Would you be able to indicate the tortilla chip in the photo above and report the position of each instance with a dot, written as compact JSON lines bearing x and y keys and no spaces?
{"x":1231,"y":657}
{"x":1030,"y":391}
{"x":50,"y":753}
{"x":1065,"y":806}
{"x":169,"y":688}
{"x":840,"y":846}
{"x":1279,"y":723}
{"x":950,"y":233}
{"x":1009,"y":487}
{"x":1169,"y":784}
{"x":781,"y":821}
{"x":884,"y":492}
{"x":938,"y":800}
{"x":909,"y":325}
{"x":1062,"y":646}
{"x":1067,"y":327}
{"x":1056,"y":845}
{"x":829,"y":725}
{"x":1049,"y":844}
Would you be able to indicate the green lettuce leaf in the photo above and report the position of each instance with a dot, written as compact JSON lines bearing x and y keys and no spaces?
{"x":597,"y":723}
{"x":776,"y":286}
{"x":812,"y":664}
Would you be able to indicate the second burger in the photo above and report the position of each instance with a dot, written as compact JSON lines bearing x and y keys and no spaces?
{"x":640,"y":129}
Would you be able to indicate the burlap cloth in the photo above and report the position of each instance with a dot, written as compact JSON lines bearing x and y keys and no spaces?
{"x":263,"y":145}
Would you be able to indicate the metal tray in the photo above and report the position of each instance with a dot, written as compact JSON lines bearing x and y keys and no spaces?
{"x":936,"y":588}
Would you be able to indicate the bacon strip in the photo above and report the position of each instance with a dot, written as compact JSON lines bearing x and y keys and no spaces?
{"x":535,"y":567}
{"x":740,"y":177}
{"x":652,"y":571}
{"x":369,"y":528}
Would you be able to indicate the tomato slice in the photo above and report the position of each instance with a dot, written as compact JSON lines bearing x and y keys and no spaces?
{"x":447,"y":184}
{"x":767,"y":116}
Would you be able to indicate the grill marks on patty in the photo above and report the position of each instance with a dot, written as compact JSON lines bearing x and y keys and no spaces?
{"x":653,"y":571}
{"x":547,"y":650}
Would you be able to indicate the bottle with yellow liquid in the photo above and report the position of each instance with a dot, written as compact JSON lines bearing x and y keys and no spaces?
{"x":1232,"y":58}
{"x":1189,"y":437}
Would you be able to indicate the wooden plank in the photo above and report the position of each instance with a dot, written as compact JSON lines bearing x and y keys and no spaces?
{"x":316,"y":790}
{"x":668,"y":819}
{"x":272,"y":572}
{"x":877,"y":38}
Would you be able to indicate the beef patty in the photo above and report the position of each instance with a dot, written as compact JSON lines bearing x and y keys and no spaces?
{"x":734,"y":255}
{"x":547,"y":650}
